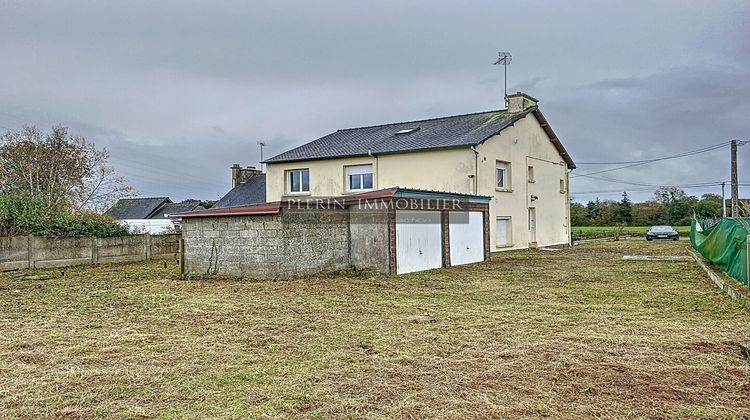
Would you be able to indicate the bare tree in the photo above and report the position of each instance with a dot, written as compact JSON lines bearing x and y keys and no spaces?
{"x":64,"y":170}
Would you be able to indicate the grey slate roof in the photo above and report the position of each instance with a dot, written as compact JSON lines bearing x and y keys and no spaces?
{"x":173,"y":208}
{"x":252,"y":191}
{"x":137,"y":208}
{"x":437,"y":133}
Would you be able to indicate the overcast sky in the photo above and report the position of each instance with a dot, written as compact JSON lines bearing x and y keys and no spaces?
{"x":177,"y":91}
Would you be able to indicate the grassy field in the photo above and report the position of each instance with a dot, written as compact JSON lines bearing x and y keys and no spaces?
{"x":570,"y":333}
{"x":591,"y":231}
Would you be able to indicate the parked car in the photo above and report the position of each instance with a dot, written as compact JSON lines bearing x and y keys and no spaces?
{"x":662,"y":232}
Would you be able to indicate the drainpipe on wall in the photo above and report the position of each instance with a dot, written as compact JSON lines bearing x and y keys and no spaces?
{"x":476,"y":170}
{"x":567,"y":210}
{"x":377,"y":169}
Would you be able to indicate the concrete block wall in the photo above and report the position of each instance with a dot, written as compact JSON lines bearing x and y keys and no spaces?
{"x":369,"y":240}
{"x":285,"y":245}
{"x":22,"y":252}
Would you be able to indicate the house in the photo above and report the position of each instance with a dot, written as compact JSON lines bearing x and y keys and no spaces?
{"x":393,"y":231}
{"x":396,"y":198}
{"x":511,"y":155}
{"x":151,"y":214}
{"x":248,"y":187}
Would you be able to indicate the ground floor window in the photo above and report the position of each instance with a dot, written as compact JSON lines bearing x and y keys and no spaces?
{"x":502,"y":231}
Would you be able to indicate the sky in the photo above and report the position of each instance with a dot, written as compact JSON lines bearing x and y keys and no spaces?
{"x":177,"y":91}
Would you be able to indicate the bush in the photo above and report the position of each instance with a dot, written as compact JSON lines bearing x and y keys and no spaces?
{"x":25,"y":214}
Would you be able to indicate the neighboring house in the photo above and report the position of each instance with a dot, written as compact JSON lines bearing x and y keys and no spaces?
{"x":511,"y":155}
{"x":151,"y":214}
{"x":248,"y":187}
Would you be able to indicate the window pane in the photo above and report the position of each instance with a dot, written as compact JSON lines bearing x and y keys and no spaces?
{"x":367,"y":181}
{"x":501,"y":232}
{"x":355,"y":182}
{"x":500,"y":178}
{"x":294,"y":181}
{"x":305,"y":180}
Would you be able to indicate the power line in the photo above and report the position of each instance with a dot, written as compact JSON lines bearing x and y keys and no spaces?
{"x":626,"y":162}
{"x":644,"y":162}
{"x":685,"y":186}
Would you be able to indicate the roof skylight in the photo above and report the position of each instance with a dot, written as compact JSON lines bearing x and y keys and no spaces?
{"x":407,"y":130}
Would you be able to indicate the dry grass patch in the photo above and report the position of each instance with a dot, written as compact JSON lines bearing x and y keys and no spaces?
{"x":577,"y":332}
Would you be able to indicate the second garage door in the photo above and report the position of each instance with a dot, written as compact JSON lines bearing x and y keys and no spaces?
{"x":466,"y":237}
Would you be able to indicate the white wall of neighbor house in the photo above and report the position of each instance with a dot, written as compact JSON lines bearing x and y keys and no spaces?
{"x":456,"y":170}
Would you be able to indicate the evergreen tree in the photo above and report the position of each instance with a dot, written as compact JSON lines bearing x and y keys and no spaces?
{"x":625,"y":209}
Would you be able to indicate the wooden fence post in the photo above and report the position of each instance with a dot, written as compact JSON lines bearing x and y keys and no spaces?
{"x":181,"y":256}
{"x":94,"y":250}
{"x":30,"y":251}
{"x":147,"y":242}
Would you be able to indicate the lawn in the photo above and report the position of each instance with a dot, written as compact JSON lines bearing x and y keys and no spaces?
{"x":593,"y":231}
{"x":569,"y":333}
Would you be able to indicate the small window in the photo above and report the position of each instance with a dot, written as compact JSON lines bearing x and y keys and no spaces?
{"x":530,"y":174}
{"x":359,"y":178}
{"x":502,"y":231}
{"x":298,"y":181}
{"x":562,"y":186}
{"x":502,"y":175}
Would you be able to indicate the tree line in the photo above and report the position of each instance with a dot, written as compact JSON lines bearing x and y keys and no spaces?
{"x":668,"y":206}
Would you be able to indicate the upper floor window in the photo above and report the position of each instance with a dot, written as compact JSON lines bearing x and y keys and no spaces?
{"x":530,"y":174}
{"x":298,"y":181}
{"x":502,"y":175}
{"x":562,"y":186}
{"x":359,"y":178}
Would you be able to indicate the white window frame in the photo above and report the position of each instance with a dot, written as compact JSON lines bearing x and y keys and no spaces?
{"x":359,"y":171}
{"x":508,"y":232}
{"x":530,"y":173}
{"x":288,"y":181}
{"x":563,"y":188}
{"x":506,"y":175}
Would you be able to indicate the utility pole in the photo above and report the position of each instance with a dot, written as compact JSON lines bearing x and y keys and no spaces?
{"x":735,"y":188}
{"x":723,"y":201}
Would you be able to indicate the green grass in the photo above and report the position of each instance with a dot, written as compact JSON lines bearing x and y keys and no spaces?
{"x":571,"y":333}
{"x":633,"y":229}
{"x":594,"y":232}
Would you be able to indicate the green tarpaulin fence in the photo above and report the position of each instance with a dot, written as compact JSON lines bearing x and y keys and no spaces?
{"x":724,"y":243}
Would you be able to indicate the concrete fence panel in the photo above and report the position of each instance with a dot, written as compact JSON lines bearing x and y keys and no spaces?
{"x":60,"y":252}
{"x":14,"y":252}
{"x":165,"y":246}
{"x":121,"y":249}
{"x":21,"y":252}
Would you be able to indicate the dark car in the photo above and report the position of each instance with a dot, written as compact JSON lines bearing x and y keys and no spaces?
{"x":662,"y":232}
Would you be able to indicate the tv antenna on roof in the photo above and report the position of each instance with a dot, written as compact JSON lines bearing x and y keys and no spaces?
{"x":261,"y":144}
{"x":504,"y":58}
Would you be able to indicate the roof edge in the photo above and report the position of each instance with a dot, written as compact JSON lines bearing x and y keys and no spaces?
{"x":554,"y":139}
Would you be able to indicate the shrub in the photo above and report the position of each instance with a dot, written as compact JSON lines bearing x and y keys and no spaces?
{"x":25,"y":214}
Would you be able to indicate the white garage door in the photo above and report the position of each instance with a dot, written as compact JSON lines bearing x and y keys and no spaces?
{"x":418,"y":241}
{"x":466,"y":237}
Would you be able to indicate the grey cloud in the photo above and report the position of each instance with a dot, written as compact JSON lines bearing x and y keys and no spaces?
{"x":179,"y":90}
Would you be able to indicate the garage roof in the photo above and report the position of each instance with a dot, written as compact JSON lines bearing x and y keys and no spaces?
{"x":382,"y":194}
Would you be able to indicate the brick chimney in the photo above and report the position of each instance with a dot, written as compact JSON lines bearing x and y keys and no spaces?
{"x":240,"y":175}
{"x":519,"y":102}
